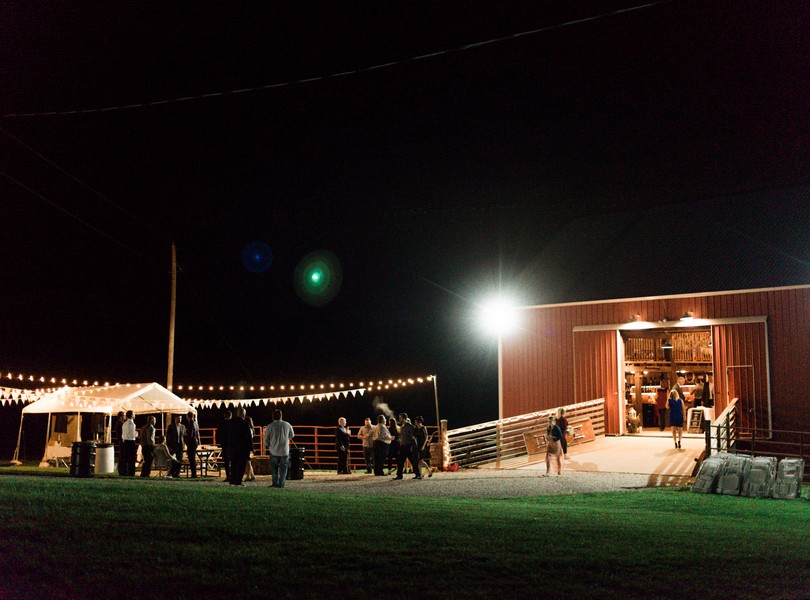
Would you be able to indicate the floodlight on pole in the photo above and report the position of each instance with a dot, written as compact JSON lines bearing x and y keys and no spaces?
{"x":498,"y":315}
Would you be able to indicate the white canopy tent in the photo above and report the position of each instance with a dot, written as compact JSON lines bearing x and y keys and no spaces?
{"x":140,"y":398}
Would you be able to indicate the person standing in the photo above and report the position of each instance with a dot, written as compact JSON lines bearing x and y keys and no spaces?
{"x":249,"y":474}
{"x":129,"y":450}
{"x":119,"y":441}
{"x":366,"y":435}
{"x":223,"y":436}
{"x":192,"y":442}
{"x":562,"y":423}
{"x":708,"y":391}
{"x":407,"y":447}
{"x":675,"y":405}
{"x":661,"y":395}
{"x":148,"y":446}
{"x":277,"y":436}
{"x":382,"y":442}
{"x":554,"y":452}
{"x":393,"y":449}
{"x":241,"y":445}
{"x":423,"y":445}
{"x":342,"y":447}
{"x":175,"y":436}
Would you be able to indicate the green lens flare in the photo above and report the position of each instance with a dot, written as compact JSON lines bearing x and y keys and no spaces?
{"x":318,"y":278}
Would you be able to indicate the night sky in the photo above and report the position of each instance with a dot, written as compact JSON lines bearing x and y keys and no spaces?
{"x":662,"y":150}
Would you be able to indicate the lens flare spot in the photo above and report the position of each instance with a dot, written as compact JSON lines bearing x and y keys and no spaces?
{"x":318,"y":277}
{"x":257,"y":257}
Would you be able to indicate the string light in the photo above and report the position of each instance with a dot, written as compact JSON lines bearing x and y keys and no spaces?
{"x":31,"y":395}
{"x":370,"y":384}
{"x":45,"y":379}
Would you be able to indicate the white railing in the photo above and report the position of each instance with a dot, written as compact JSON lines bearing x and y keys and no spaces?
{"x":503,"y":439}
{"x":721,"y":435}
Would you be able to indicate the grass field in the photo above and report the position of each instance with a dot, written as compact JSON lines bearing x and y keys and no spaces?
{"x":85,"y":538}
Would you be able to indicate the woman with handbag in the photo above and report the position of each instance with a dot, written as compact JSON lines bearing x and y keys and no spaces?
{"x":554,"y":452}
{"x":562,"y":423}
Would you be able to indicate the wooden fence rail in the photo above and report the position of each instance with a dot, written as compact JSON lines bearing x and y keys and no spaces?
{"x":317,"y":441}
{"x":503,"y":439}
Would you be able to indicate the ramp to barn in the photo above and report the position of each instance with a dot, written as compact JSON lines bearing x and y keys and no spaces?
{"x":647,"y":454}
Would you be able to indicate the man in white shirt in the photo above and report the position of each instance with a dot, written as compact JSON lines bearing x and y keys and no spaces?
{"x":129,"y":449}
{"x":382,"y":441}
{"x":365,"y":434}
{"x":277,"y":436}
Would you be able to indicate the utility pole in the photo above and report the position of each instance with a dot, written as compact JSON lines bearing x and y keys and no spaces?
{"x":170,"y":375}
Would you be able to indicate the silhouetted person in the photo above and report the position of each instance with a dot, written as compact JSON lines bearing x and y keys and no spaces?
{"x":148,"y":446}
{"x":175,"y":436}
{"x":223,"y":439}
{"x":240,"y":444}
{"x":342,"y":447}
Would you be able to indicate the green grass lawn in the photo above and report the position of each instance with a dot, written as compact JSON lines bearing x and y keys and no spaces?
{"x":85,"y":538}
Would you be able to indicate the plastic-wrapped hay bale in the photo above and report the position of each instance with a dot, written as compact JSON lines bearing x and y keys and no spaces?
{"x":733,"y":475}
{"x":788,"y":484}
{"x":708,"y":475}
{"x":760,"y":477}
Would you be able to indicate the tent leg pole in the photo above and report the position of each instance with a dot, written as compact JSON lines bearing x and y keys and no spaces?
{"x":47,"y":436}
{"x":19,"y":437}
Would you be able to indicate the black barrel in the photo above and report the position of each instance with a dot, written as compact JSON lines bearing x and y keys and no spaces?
{"x":296,"y":463}
{"x":83,"y":459}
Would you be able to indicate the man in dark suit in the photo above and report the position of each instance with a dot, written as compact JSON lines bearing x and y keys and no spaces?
{"x":240,"y":444}
{"x":192,"y":442}
{"x":342,"y":447}
{"x":175,"y":434}
{"x":223,"y":439}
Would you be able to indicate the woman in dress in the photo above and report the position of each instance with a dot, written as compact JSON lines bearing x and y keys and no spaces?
{"x":562,"y":423}
{"x":675,"y":405}
{"x":554,"y":453}
{"x":423,"y":445}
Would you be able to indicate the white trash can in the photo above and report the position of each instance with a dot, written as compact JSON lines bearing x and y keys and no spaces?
{"x":105,"y":458}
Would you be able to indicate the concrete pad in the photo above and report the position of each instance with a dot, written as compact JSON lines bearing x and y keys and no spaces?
{"x":653,"y":455}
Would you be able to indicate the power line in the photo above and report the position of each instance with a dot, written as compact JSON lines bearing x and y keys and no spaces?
{"x":358,"y":71}
{"x":83,"y":184}
{"x":79,"y":219}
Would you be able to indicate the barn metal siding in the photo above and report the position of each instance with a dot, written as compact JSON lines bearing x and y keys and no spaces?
{"x":595,"y":369}
{"x":734,"y":347}
{"x":538,"y":362}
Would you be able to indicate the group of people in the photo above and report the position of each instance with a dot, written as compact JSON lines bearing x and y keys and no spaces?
{"x":396,"y":441}
{"x":400,"y":440}
{"x":165,"y":452}
{"x":673,"y":401}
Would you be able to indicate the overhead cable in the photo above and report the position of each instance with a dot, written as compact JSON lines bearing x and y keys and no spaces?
{"x":318,"y":78}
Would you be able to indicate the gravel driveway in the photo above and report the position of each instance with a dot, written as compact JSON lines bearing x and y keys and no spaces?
{"x":473,"y":483}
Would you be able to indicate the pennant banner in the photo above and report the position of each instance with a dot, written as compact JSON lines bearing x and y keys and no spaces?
{"x":228,"y":403}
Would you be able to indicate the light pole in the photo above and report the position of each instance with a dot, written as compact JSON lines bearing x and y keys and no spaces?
{"x":499,"y":316}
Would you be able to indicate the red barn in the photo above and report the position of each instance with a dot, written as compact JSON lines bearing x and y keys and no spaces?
{"x":756,"y":343}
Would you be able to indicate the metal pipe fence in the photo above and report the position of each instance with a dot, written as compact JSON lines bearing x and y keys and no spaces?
{"x":317,"y":440}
